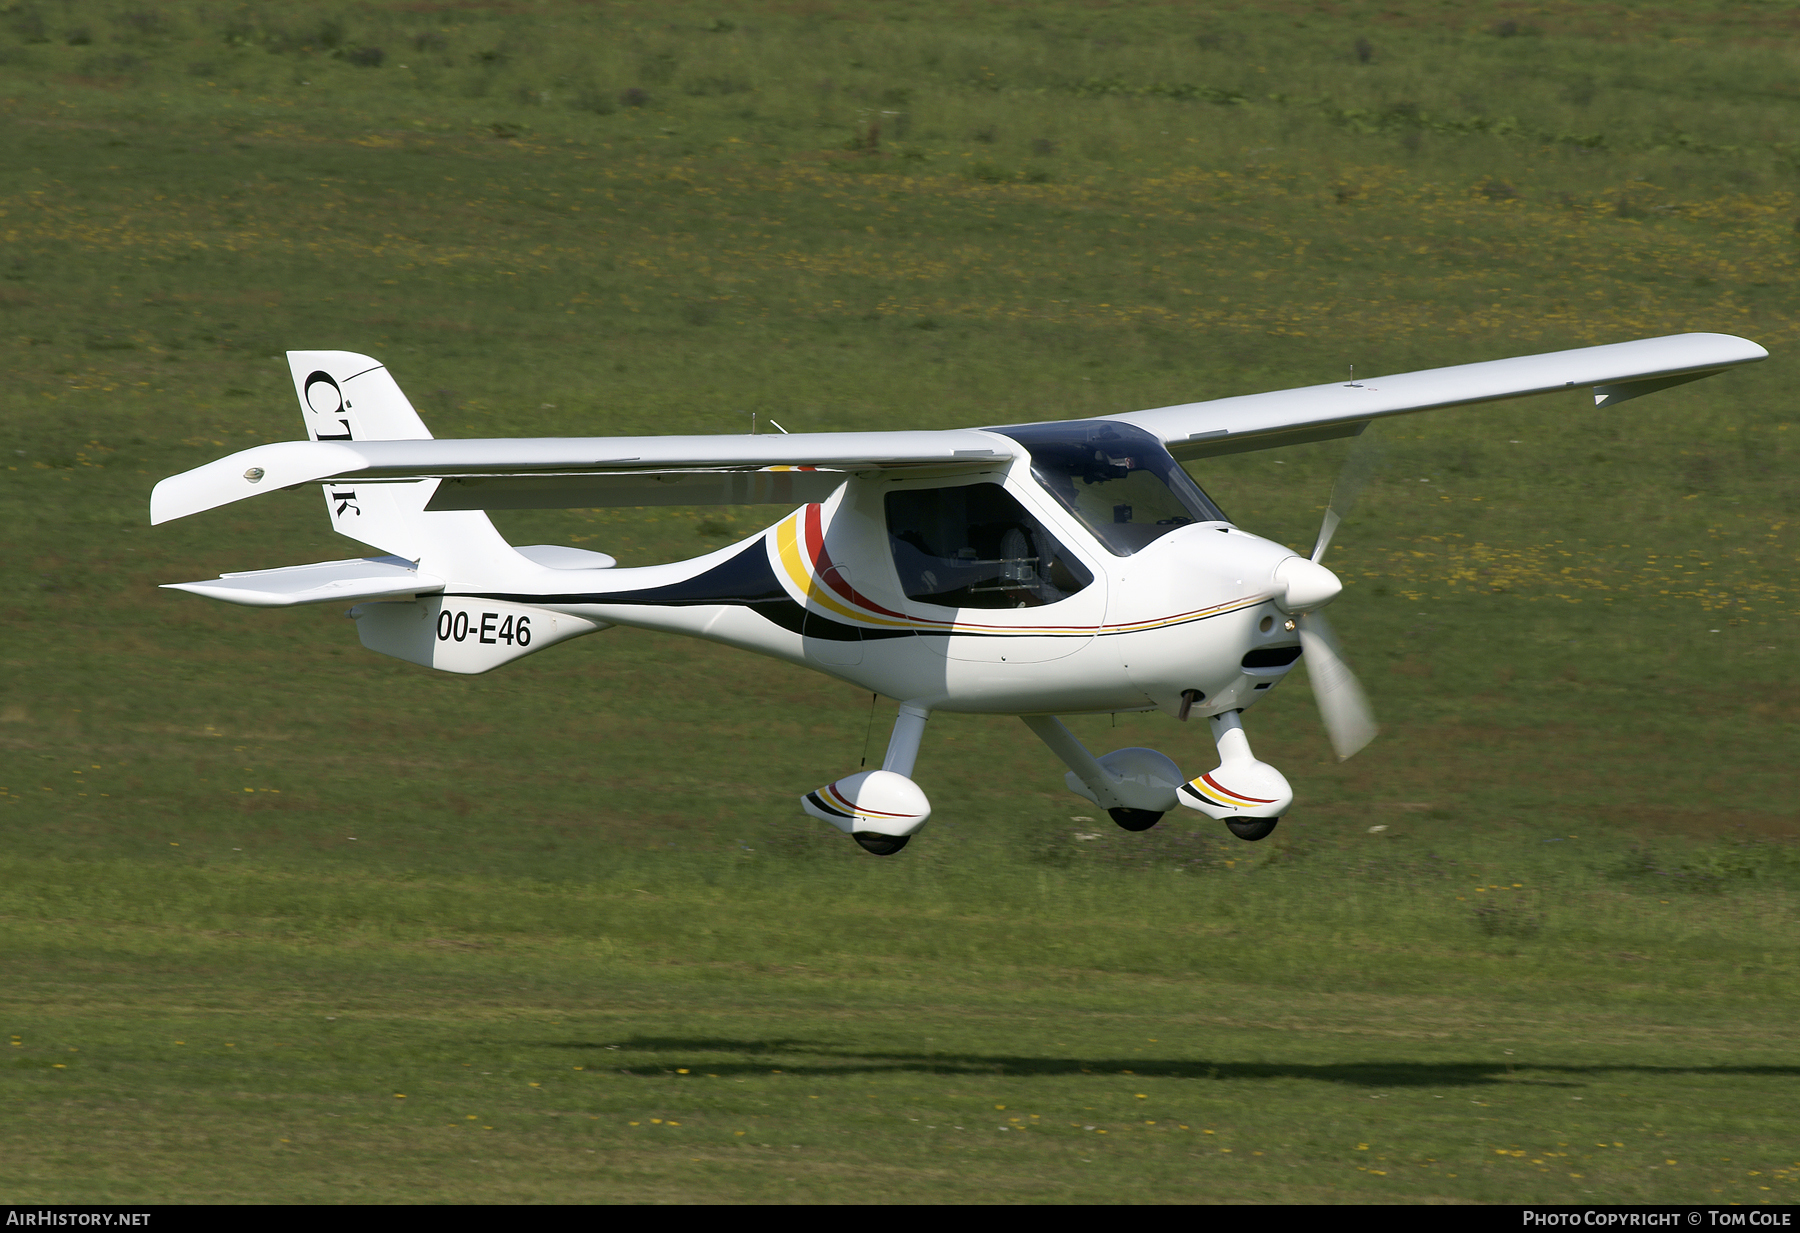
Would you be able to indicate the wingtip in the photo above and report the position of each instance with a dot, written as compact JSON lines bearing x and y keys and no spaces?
{"x":160,"y":502}
{"x":248,"y":473}
{"x":1749,"y":350}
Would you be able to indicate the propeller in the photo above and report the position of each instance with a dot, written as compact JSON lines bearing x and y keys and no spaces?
{"x":1343,"y":706}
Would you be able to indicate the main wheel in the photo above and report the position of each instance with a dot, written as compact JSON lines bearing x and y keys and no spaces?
{"x":881,"y":845}
{"x":1135,"y":819}
{"x":1251,"y":828}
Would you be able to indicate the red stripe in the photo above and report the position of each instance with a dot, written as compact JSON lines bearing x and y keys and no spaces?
{"x":814,"y":547}
{"x":1256,"y":800}
{"x":853,"y":807}
{"x":1180,"y":615}
{"x":812,"y":538}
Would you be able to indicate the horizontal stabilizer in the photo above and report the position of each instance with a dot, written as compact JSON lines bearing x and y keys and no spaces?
{"x":363,"y":578}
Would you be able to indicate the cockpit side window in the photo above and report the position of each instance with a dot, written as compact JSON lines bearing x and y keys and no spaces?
{"x":1117,"y":479}
{"x":975,"y":546}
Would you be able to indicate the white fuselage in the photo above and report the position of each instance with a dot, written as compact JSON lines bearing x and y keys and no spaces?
{"x":821,"y":588}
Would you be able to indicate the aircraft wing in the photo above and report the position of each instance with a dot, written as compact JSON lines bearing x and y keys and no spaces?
{"x":1615,"y":372}
{"x":582,"y":472}
{"x":579,"y":472}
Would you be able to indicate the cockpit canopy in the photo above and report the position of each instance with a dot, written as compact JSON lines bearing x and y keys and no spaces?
{"x":1116,"y":479}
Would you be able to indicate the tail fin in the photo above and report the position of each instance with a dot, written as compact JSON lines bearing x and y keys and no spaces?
{"x":349,"y":397}
{"x":414,"y":610}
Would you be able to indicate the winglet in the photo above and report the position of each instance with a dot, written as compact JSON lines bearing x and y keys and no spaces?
{"x":246,"y":473}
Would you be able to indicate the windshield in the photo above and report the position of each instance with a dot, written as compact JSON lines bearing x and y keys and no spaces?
{"x":1118,"y":480}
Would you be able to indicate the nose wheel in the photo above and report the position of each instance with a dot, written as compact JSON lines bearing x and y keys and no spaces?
{"x":881,"y":845}
{"x":1251,"y":828}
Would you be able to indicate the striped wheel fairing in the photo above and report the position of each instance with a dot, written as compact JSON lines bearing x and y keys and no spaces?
{"x":1211,"y":789}
{"x":834,"y":802}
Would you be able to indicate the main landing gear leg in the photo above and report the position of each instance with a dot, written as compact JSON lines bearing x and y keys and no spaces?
{"x":903,"y":745}
{"x":1135,"y":786}
{"x":881,"y":809}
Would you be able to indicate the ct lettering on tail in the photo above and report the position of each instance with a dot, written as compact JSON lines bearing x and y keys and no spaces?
{"x":324,"y":398}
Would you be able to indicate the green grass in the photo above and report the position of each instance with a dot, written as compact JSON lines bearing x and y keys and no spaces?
{"x":530,"y":901}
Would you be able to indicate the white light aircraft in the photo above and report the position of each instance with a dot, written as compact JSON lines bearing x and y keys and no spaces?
{"x":1042,"y":569}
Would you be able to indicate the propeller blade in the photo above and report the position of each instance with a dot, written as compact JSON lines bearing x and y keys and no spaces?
{"x":1344,"y":491}
{"x":1342,"y":704}
{"x":1327,"y":529}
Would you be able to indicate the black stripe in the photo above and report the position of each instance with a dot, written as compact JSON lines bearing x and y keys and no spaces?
{"x":746,"y":581}
{"x":833,"y":810}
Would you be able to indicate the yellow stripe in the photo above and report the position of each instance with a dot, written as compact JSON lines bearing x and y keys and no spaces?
{"x":788,"y":550}
{"x":787,"y":544}
{"x":1200,"y":786}
{"x":871,"y":814}
{"x":1197,"y":615}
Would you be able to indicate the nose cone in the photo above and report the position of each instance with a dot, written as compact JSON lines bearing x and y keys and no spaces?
{"x":1302,"y":585}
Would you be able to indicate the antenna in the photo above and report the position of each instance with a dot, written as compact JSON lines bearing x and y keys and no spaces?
{"x":772,"y":420}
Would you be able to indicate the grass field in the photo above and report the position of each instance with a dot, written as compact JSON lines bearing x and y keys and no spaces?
{"x":276,"y":915}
